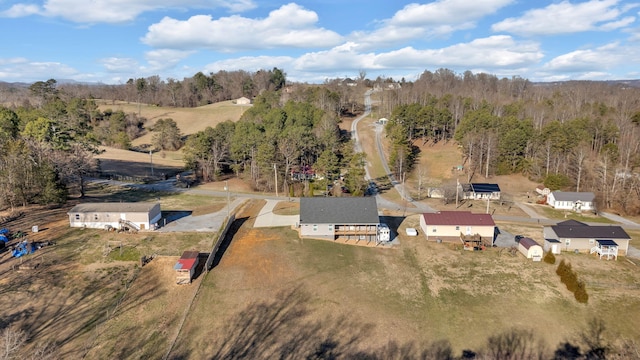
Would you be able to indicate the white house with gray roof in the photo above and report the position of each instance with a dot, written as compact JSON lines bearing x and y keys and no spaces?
{"x":339,"y":217}
{"x":139,"y":216}
{"x":574,"y":201}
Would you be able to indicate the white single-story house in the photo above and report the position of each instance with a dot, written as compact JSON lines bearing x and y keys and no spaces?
{"x":572,"y":235}
{"x":530,"y":249}
{"x":139,"y":216}
{"x":574,"y":201}
{"x":480,"y":191}
{"x":340,"y":217}
{"x":471,"y":229}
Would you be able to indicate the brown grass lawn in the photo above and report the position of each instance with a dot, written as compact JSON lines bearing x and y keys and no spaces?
{"x":415,"y":293}
{"x":284,"y":293}
{"x":77,"y":284}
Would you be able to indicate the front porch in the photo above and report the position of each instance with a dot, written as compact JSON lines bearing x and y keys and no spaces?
{"x":608,"y":248}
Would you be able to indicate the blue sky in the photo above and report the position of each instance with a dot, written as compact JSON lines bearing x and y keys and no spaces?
{"x":111,"y":41}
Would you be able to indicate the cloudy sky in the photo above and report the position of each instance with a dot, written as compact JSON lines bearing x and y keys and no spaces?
{"x":111,"y":41}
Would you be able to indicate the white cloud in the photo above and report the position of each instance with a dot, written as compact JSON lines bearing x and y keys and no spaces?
{"x":445,"y":12}
{"x":251,"y":63}
{"x":116,"y":11}
{"x":592,"y":60}
{"x":565,"y":17}
{"x":164,"y":59}
{"x":20,"y":69}
{"x":20,"y":10}
{"x":495,"y":52}
{"x":435,"y":19}
{"x":120,"y":65}
{"x":289,"y":26}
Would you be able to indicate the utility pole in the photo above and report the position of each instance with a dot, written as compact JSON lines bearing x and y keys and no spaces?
{"x":488,"y":198}
{"x":275,"y":171}
{"x":457,"y":186}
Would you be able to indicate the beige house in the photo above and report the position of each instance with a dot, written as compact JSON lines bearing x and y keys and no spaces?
{"x":473,"y":230}
{"x":605,"y":240}
{"x":138,"y":216}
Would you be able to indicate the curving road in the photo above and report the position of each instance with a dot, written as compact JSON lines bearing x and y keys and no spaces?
{"x":400,"y":188}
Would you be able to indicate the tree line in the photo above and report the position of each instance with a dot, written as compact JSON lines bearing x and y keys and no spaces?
{"x":575,"y":136}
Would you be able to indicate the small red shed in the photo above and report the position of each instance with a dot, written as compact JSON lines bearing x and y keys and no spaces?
{"x":186,"y":267}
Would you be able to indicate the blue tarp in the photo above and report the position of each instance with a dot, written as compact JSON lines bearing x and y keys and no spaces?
{"x":4,"y":238}
{"x":4,"y":231}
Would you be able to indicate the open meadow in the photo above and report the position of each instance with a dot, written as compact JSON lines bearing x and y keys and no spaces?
{"x":188,"y":120}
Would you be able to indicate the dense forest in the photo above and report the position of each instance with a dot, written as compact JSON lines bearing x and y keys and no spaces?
{"x":574,"y":136}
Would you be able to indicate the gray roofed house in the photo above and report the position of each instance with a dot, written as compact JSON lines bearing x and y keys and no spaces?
{"x":339,"y":217}
{"x":575,"y":201}
{"x":136,"y":216}
{"x":574,"y":235}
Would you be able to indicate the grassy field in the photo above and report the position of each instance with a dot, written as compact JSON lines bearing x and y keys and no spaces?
{"x":360,"y":298}
{"x":189,"y":121}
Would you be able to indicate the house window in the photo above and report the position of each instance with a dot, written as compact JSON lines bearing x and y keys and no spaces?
{"x":592,"y":241}
{"x":434,"y":229}
{"x":457,"y":228}
{"x":330,"y":227}
{"x":567,"y":242}
{"x":315,"y":227}
{"x":77,"y":216}
{"x":95,"y":216}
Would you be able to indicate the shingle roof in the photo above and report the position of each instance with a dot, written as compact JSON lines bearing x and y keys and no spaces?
{"x":528,"y":242}
{"x":458,"y":218}
{"x":338,"y":210}
{"x":573,"y":196}
{"x":577,"y":230}
{"x":111,"y":207}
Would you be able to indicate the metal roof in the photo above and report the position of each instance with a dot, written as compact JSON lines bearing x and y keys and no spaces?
{"x":573,"y":196}
{"x":607,"y":243}
{"x":113,"y":207}
{"x":338,"y":210}
{"x":458,"y":218}
{"x":185,"y":264}
{"x":485,"y":188}
{"x":577,"y":230}
{"x":528,"y":242}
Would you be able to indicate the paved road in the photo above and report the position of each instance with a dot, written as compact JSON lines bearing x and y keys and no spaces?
{"x":408,"y":203}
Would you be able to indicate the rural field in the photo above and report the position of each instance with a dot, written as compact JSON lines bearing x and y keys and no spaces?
{"x":271,"y":294}
{"x":189,"y":121}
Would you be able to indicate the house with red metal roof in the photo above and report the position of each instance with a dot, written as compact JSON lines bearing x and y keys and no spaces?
{"x":472,"y":230}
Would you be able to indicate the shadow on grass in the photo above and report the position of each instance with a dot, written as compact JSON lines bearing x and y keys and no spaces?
{"x":233,"y":229}
{"x":286,"y":327}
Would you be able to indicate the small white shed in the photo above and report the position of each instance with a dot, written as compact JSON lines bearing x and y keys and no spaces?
{"x":531,"y":249}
